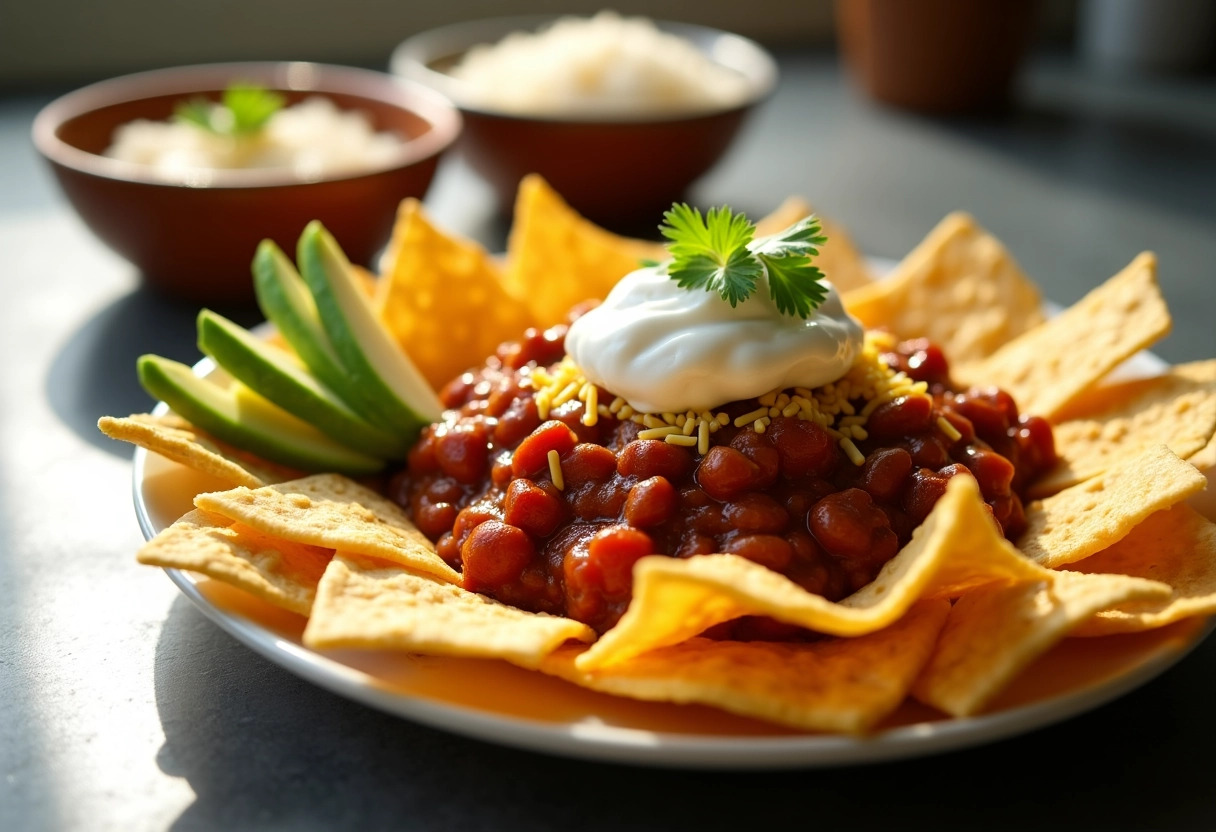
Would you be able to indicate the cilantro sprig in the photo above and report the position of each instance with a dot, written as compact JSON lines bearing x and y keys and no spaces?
{"x":718,"y":253}
{"x":243,"y":110}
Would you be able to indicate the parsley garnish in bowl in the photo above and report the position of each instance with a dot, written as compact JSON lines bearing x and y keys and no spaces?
{"x":243,"y":111}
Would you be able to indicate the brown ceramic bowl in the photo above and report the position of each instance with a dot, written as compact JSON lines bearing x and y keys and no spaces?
{"x":617,"y":171}
{"x":197,"y":240}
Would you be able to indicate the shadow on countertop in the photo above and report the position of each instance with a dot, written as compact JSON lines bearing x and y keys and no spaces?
{"x":93,"y":374}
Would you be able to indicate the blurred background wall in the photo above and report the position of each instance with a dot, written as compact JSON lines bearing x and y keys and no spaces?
{"x":52,"y":42}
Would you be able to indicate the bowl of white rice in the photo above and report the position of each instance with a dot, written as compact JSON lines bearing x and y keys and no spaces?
{"x":188,"y":206}
{"x":619,"y":114}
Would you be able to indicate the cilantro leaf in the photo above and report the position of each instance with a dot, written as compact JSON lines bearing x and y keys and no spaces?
{"x":794,"y":283}
{"x":244,"y":110}
{"x":717,"y":253}
{"x":710,"y":252}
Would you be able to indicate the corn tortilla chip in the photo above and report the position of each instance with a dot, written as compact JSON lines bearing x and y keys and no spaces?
{"x":1176,"y":547}
{"x":960,"y":288}
{"x":370,"y":604}
{"x":284,"y":574}
{"x":332,"y":511}
{"x":1086,"y":518}
{"x":831,"y":685}
{"x":838,"y":258}
{"x":176,"y":439}
{"x":1205,"y":460}
{"x":1048,"y":367}
{"x":994,"y":632}
{"x":442,"y":298}
{"x":1122,"y":420}
{"x":956,"y":548}
{"x":557,"y":259}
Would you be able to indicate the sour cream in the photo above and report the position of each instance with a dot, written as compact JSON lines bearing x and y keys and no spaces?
{"x":664,"y":348}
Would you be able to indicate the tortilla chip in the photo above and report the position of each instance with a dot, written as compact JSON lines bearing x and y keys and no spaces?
{"x":960,"y":288}
{"x":557,"y":259}
{"x":1205,"y":460}
{"x":957,"y":547}
{"x":176,"y":439}
{"x":830,"y":685}
{"x":442,"y":298}
{"x":1176,"y":547}
{"x":282,"y":573}
{"x":994,"y":632}
{"x":838,"y":258}
{"x":369,"y":604}
{"x":1122,"y":420}
{"x":332,"y":511}
{"x":1048,"y":367}
{"x":1087,"y":518}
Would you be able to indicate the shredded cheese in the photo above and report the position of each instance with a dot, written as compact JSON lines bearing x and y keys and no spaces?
{"x":841,"y":407}
{"x":555,"y":470}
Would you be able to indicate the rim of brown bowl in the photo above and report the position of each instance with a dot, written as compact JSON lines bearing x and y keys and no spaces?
{"x":415,"y":59}
{"x":290,"y":76}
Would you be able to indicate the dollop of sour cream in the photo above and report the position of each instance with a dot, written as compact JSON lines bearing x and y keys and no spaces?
{"x":664,"y":348}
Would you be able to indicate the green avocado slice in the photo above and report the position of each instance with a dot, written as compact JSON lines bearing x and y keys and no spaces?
{"x":285,"y":300}
{"x":242,"y":418}
{"x":367,"y":350}
{"x":277,"y":376}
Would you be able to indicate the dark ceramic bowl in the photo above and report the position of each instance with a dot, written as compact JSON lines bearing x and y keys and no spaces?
{"x":616,"y":171}
{"x":197,"y":240}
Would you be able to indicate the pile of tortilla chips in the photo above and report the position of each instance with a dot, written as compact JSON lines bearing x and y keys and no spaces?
{"x":1112,"y":545}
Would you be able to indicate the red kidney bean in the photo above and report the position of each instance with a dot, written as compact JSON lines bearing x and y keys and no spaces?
{"x":650,"y":503}
{"x":645,"y":458}
{"x":434,"y":518}
{"x":756,"y":512}
{"x":884,"y":473}
{"x":494,"y":554}
{"x":463,"y":450}
{"x":992,"y":471}
{"x":472,"y":516}
{"x":725,"y":472}
{"x":421,"y":458}
{"x":804,"y":448}
{"x":848,"y":525}
{"x":695,"y":543}
{"x":985,"y":412}
{"x":588,"y":462}
{"x":598,"y":501}
{"x":768,"y":550}
{"x":921,"y":493}
{"x":901,"y":416}
{"x":457,"y":391}
{"x":925,"y":361}
{"x":532,"y":455}
{"x":519,"y":420}
{"x":533,"y":508}
{"x":614,"y":550}
{"x":760,"y":451}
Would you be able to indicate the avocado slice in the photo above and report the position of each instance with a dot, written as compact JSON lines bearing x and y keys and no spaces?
{"x":286,"y":301}
{"x":367,"y":350}
{"x":242,"y":418}
{"x":277,"y":376}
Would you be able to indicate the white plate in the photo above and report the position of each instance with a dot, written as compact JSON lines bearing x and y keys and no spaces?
{"x":501,"y":703}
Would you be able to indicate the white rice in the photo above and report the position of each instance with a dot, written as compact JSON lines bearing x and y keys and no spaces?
{"x":314,"y":139}
{"x":606,"y":65}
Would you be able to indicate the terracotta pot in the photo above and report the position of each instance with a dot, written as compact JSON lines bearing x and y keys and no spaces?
{"x":935,"y":55}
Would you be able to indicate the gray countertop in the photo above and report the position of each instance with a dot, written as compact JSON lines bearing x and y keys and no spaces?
{"x":122,"y":707}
